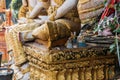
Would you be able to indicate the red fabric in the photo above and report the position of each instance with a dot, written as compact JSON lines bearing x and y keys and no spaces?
{"x":118,"y":0}
{"x":109,"y":9}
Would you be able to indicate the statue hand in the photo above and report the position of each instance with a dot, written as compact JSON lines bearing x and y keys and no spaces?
{"x":24,"y":3}
{"x":39,"y":21}
{"x":42,"y":19}
{"x":22,"y":20}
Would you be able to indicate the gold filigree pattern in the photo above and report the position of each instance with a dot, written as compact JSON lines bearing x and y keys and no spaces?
{"x":70,"y":64}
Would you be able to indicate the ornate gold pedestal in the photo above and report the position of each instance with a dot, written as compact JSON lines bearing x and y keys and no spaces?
{"x":70,"y":64}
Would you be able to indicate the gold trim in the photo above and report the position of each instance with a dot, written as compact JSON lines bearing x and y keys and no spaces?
{"x":91,"y":9}
{"x":20,"y":60}
{"x":59,"y":2}
{"x":88,"y":20}
{"x":25,"y":70}
{"x":83,"y":1}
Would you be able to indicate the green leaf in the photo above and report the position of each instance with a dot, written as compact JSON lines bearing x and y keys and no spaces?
{"x":105,"y":19}
{"x":117,"y":30}
{"x":15,"y":5}
{"x":115,"y":18}
{"x":98,"y":28}
{"x":117,"y":7}
{"x":112,"y":26}
{"x":105,"y":1}
{"x":112,"y":47}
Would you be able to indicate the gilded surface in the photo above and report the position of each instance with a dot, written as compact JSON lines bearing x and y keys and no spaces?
{"x":100,"y":73}
{"x":18,"y":50}
{"x":89,"y":9}
{"x":13,"y":42}
{"x":88,"y":73}
{"x":67,"y":54}
{"x":59,"y":2}
{"x":75,"y":74}
{"x":111,"y":72}
{"x":91,"y":64}
{"x":71,"y":15}
{"x":23,"y":11}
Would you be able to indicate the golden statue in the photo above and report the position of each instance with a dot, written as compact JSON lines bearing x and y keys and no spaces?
{"x":62,"y":19}
{"x":25,"y":24}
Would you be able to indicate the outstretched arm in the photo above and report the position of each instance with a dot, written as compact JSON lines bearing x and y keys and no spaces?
{"x":36,"y":10}
{"x":25,"y":2}
{"x":65,"y":8}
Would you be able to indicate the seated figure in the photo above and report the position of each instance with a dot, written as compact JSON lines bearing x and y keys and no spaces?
{"x":12,"y":33}
{"x":62,"y":20}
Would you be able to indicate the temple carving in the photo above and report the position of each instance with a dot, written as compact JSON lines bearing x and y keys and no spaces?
{"x":37,"y":43}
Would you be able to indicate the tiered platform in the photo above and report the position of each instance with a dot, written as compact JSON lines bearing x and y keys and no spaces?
{"x":90,"y":63}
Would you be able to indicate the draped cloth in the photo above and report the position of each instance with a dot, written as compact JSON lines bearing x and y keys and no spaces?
{"x":13,"y":42}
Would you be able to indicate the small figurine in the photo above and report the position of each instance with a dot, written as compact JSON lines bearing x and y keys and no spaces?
{"x":69,"y":43}
{"x":80,"y":39}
